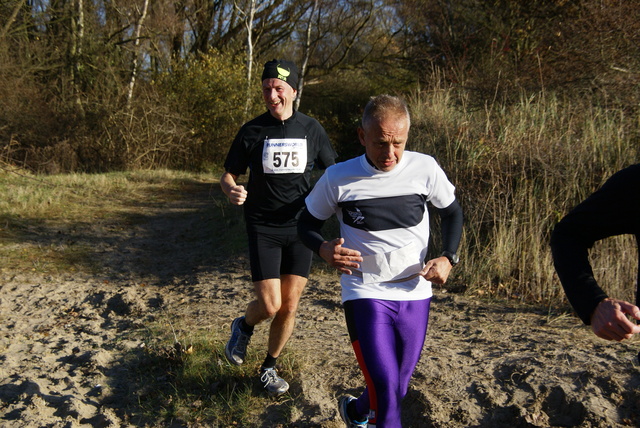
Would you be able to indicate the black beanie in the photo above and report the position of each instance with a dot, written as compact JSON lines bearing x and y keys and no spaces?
{"x":283,"y":70}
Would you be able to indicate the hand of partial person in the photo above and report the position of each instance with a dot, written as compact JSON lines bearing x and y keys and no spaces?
{"x":340,"y":257}
{"x":609,"y":320}
{"x":437,"y":270}
{"x":237,"y":195}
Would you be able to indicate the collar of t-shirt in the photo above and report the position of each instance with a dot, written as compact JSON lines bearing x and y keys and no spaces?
{"x":370,"y":162}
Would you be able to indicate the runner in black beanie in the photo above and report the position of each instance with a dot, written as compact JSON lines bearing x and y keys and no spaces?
{"x":283,"y":70}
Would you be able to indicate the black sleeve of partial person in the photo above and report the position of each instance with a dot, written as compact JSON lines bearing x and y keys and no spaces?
{"x":451,"y":226}
{"x":571,"y":261}
{"x":309,"y":231}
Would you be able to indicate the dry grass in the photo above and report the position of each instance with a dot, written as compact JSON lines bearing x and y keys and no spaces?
{"x":188,"y":379}
{"x":30,"y":203}
{"x":518,"y":169}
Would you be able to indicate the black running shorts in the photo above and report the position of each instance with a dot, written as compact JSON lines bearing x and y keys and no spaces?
{"x":273,"y":255}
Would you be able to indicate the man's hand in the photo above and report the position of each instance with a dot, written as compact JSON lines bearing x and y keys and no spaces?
{"x":235,"y":192}
{"x":237,"y":195}
{"x":437,"y":270}
{"x":340,"y":257}
{"x":609,"y":320}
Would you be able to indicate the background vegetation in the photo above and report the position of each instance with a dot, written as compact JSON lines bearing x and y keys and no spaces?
{"x":528,"y":104}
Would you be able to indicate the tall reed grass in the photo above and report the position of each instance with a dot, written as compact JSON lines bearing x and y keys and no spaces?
{"x":518,"y":169}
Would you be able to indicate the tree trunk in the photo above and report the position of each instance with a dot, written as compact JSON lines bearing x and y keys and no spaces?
{"x":307,"y":54}
{"x":75,"y":52}
{"x":136,"y":53}
{"x":249,"y":24}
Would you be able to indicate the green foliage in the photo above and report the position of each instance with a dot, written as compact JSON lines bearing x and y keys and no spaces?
{"x":211,"y":91}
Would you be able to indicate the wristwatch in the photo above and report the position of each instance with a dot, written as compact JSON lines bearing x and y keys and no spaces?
{"x":453,"y":257}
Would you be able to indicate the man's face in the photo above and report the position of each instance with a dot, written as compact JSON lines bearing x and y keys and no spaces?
{"x":385,"y":140}
{"x":279,"y":97}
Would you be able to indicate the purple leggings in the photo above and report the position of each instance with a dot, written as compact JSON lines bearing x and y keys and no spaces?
{"x":387,"y":337}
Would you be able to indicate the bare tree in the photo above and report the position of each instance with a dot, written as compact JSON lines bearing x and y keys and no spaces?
{"x":136,"y":53}
{"x":248,"y":19}
{"x":12,"y":18}
{"x":307,"y":53}
{"x":75,"y":51}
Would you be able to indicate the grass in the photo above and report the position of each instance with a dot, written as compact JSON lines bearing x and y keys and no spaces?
{"x":40,"y":215}
{"x":83,"y":196}
{"x":188,"y":378}
{"x":518,"y":169}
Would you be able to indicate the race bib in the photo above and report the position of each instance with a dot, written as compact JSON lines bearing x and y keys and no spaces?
{"x":284,"y":156}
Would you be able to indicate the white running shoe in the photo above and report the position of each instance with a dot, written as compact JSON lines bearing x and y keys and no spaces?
{"x":272,"y":383}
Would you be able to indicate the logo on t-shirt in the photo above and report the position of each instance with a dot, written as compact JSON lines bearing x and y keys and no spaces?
{"x":356,"y":215}
{"x":284,"y":156}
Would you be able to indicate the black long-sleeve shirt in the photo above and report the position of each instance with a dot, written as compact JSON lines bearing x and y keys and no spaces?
{"x":614,"y":209}
{"x":275,"y":200}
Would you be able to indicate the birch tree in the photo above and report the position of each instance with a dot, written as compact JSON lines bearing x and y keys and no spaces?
{"x":75,"y":51}
{"x":307,"y":53}
{"x":248,"y":19}
{"x":136,"y":51}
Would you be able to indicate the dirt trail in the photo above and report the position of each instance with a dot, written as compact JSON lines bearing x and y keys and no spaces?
{"x":62,"y":353}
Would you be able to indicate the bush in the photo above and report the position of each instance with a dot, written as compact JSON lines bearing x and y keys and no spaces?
{"x":211,"y":92}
